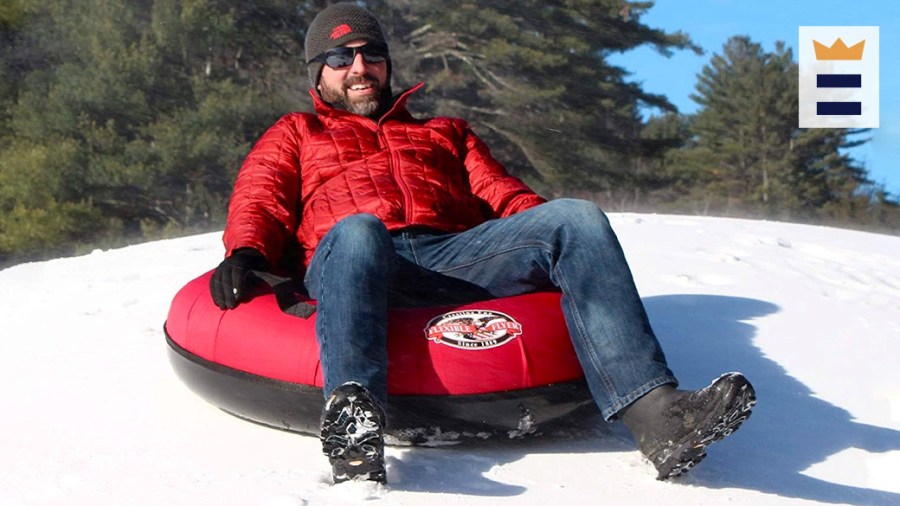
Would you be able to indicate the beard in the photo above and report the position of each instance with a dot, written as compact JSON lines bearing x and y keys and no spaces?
{"x":369,"y":106}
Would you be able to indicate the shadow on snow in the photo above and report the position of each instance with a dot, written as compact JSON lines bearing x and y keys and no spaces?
{"x":703,"y":336}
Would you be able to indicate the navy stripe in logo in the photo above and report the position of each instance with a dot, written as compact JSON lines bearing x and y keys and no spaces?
{"x":838,"y":108}
{"x":838,"y":80}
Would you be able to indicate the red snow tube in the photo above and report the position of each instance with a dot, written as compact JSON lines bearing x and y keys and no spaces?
{"x":501,"y":366}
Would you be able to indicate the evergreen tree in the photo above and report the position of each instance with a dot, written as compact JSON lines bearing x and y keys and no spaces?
{"x":533,"y":78}
{"x":679,"y":175}
{"x":746,"y":150}
{"x":134,"y":116}
{"x":740,"y":123}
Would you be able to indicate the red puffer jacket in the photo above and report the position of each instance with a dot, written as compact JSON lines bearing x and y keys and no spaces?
{"x":308,"y":171}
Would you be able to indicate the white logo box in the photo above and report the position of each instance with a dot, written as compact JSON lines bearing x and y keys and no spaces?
{"x":811,"y":95}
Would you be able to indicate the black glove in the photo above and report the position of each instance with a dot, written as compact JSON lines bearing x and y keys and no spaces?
{"x":233,"y":277}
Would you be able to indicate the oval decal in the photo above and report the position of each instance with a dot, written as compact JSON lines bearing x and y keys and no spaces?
{"x":473,"y":329}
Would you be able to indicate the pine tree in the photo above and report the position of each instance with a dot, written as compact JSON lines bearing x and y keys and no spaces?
{"x":128,"y":119}
{"x":746,"y":149}
{"x":533,"y":78}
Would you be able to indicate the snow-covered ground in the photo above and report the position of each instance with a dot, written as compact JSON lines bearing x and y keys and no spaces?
{"x":93,"y":414}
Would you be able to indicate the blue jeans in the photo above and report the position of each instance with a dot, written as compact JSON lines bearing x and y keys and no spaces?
{"x":360,"y":269}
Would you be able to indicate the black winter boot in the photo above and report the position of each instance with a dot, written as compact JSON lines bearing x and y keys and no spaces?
{"x":353,"y":434}
{"x":674,"y":427}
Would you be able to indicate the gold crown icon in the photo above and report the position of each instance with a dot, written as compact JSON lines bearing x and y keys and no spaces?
{"x":839,"y":50}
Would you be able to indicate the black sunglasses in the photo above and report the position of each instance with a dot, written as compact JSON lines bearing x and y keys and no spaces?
{"x":344,"y":56}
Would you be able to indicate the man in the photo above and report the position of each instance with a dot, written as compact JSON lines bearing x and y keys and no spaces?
{"x":363,"y":197}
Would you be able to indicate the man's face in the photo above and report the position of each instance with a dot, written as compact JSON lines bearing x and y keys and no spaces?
{"x":360,"y":87}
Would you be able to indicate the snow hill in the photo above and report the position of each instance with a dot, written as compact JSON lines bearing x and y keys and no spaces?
{"x":92,"y":413}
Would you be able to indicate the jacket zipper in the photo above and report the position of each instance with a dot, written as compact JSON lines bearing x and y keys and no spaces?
{"x":398,"y":177}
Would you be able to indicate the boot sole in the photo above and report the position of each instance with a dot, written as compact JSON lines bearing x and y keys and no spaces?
{"x":353,"y":440}
{"x":358,"y":464}
{"x":692,"y":449}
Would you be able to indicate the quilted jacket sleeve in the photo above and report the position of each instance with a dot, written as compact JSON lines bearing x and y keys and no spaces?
{"x":505,"y":194}
{"x":263,"y":209}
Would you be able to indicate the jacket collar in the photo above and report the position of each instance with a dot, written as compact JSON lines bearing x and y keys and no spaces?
{"x":397,"y":110}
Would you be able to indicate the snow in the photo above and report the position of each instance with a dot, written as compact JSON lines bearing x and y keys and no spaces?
{"x":93,"y":414}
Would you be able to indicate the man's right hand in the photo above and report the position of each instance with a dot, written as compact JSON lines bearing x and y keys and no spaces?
{"x":231,"y":281}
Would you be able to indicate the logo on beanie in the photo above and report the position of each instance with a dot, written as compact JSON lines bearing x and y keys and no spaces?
{"x":340,"y":30}
{"x":474,"y":329}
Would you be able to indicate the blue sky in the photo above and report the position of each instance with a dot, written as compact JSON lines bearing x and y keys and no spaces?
{"x":711,"y":22}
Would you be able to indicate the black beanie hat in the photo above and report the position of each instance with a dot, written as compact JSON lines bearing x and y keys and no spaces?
{"x":334,"y":27}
